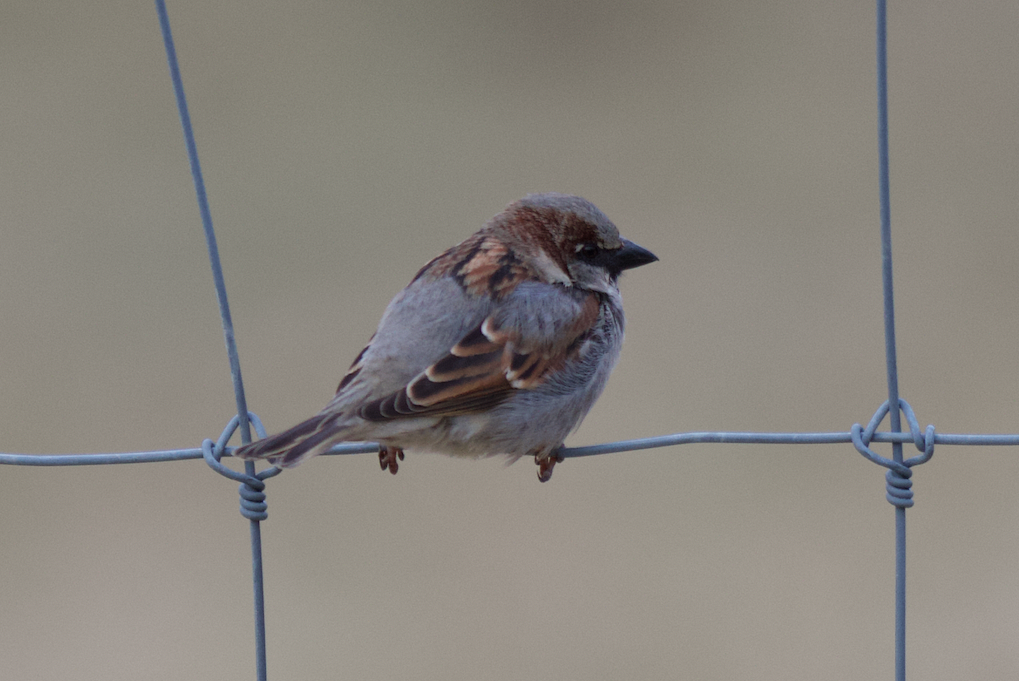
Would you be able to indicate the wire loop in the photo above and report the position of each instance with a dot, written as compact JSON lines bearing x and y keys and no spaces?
{"x":253,"y":506}
{"x":898,"y":486}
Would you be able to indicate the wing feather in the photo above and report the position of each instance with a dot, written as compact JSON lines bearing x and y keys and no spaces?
{"x":484,"y":368}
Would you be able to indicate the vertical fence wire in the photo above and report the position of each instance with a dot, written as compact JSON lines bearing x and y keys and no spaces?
{"x":889,"y":310}
{"x":228,"y":327}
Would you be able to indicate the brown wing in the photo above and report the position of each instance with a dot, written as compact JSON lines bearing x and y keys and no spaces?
{"x":481,"y":370}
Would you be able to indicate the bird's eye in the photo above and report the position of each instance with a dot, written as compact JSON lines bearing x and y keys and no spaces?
{"x":587,"y":251}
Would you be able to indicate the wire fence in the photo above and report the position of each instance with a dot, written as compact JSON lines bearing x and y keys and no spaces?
{"x":252,"y":483}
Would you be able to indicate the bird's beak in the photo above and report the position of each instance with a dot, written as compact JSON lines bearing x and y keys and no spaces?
{"x":631,"y":255}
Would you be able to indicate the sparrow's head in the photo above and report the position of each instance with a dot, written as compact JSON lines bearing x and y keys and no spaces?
{"x":569,"y":241}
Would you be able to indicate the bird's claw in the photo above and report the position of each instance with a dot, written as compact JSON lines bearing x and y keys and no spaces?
{"x":388,"y":458}
{"x":546,"y":464}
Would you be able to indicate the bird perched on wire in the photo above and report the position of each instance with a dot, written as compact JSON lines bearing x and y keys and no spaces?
{"x":500,"y":345}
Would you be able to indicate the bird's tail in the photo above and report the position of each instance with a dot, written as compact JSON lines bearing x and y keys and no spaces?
{"x":291,"y":447}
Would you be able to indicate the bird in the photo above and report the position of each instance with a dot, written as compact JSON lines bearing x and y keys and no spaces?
{"x":498,"y":346}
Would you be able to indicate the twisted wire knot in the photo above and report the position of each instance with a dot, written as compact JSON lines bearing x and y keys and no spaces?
{"x":898,"y":486}
{"x":253,"y":506}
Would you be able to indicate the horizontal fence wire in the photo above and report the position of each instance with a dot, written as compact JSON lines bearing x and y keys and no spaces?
{"x":700,"y":437}
{"x":253,"y":505}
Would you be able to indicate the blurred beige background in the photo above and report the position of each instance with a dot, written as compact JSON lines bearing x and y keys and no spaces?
{"x":343,"y":146}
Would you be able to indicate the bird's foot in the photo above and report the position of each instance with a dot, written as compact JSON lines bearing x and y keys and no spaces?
{"x":546,"y":464}
{"x":388,"y":458}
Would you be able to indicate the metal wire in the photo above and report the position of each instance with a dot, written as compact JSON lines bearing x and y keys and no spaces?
{"x":675,"y":439}
{"x":228,"y":327}
{"x":253,"y":507}
{"x":890,"y":356}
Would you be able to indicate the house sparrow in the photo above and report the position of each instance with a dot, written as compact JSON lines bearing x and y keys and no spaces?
{"x":500,"y":345}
